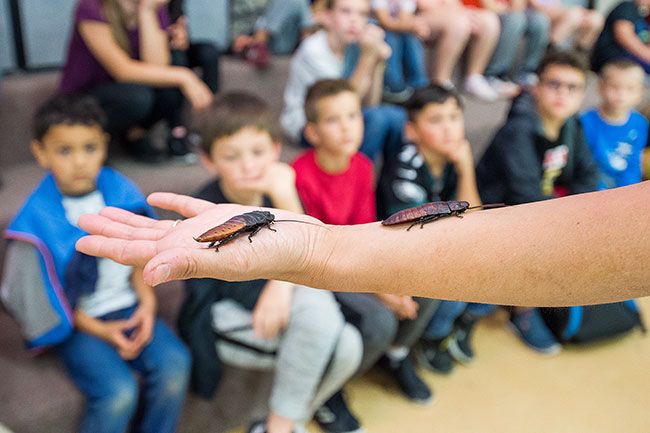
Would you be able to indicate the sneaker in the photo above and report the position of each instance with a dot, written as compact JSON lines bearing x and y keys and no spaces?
{"x":528,"y":80}
{"x":505,"y":89}
{"x":335,"y":416}
{"x":460,"y":346}
{"x":143,"y":150}
{"x":179,"y":145}
{"x":434,"y":355}
{"x":258,"y":55}
{"x":477,"y":86}
{"x":530,"y":327}
{"x":397,"y":97}
{"x":257,"y":427}
{"x":407,"y":379}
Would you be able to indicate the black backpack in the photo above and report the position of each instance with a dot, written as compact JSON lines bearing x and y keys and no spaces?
{"x":584,"y":324}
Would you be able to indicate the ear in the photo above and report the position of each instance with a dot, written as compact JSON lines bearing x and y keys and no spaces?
{"x":38,"y":151}
{"x":410,"y":131}
{"x":206,"y":162}
{"x":311,"y":134}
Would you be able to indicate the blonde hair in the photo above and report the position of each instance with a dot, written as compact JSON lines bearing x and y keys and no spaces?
{"x":117,"y":23}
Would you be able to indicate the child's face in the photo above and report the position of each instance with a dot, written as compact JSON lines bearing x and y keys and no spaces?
{"x":339,"y":128}
{"x":348,"y":19}
{"x":559,"y":92}
{"x":241,"y":160}
{"x":74,"y":154}
{"x":438,"y":128}
{"x":621,"y":89}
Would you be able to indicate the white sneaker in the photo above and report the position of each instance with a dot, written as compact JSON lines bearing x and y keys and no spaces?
{"x":477,"y":86}
{"x":505,"y":89}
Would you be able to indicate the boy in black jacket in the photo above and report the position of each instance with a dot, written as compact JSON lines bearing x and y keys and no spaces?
{"x":540,"y":153}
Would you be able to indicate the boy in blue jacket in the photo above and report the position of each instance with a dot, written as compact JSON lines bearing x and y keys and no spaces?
{"x":99,"y":316}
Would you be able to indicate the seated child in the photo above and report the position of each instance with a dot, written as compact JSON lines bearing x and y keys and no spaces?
{"x":300,"y":332}
{"x":335,"y":184}
{"x":626,"y":35}
{"x":571,"y":22}
{"x":101,"y":317}
{"x":617,"y":134}
{"x":435,"y":165}
{"x":348,"y":47}
{"x":405,"y":69}
{"x":540,"y":153}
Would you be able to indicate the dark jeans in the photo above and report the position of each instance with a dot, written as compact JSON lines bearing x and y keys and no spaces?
{"x":405,"y":67}
{"x":111,"y":389}
{"x":204,"y":56}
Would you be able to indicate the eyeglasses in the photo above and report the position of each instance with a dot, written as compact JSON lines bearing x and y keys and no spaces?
{"x":557,"y":85}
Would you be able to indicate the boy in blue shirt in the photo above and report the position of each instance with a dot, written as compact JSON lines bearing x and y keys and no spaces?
{"x":99,"y":315}
{"x":615,"y":132}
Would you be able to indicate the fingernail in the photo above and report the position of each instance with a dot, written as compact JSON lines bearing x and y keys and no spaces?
{"x":161,"y":274}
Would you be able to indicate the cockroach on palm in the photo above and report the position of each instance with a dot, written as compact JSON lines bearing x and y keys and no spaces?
{"x":249,"y":222}
{"x":432,"y":211}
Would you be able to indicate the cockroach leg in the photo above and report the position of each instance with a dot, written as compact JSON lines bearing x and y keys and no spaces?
{"x":253,"y":233}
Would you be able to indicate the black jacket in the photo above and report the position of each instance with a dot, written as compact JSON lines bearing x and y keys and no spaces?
{"x":195,"y":317}
{"x":521,"y":165}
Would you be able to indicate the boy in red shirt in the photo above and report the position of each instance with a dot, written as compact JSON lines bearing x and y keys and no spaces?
{"x":336,"y":185}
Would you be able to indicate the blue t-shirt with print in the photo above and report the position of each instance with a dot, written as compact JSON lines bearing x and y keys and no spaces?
{"x":617,"y":149}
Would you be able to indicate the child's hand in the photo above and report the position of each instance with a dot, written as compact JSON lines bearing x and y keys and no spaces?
{"x":143,"y":320}
{"x":461,"y":156}
{"x":403,"y":306}
{"x":178,"y":36}
{"x":279,"y":179}
{"x":271,"y":313}
{"x":373,"y":44}
{"x":421,"y":28}
{"x":114,"y":333}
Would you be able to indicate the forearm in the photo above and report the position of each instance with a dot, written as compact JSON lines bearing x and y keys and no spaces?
{"x":89,"y":325}
{"x":138,"y":72}
{"x":363,"y":77}
{"x":145,"y":293}
{"x":154,"y":43}
{"x":466,"y":189}
{"x":540,"y":254}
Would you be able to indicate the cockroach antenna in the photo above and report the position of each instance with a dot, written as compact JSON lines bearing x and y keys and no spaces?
{"x":303,"y":222}
{"x":487,"y":206}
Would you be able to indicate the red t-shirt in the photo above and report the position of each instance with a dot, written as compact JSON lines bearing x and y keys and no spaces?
{"x":345,"y":198}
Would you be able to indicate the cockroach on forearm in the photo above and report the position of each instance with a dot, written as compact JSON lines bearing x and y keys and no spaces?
{"x":250,"y":222}
{"x":429,"y":212}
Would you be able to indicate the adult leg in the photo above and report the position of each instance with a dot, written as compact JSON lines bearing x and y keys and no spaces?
{"x":106,"y":381}
{"x":564,"y":25}
{"x":513,"y":25}
{"x":206,"y":56}
{"x":590,"y":27}
{"x":451,"y":31}
{"x":442,"y":321}
{"x":285,"y":20}
{"x":383,"y":130}
{"x":165,"y":366}
{"x":126,"y":105}
{"x":537,"y":38}
{"x":485,"y":34}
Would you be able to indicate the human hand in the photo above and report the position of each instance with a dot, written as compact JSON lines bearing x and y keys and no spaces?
{"x":271,"y":313}
{"x":152,"y":5}
{"x":241,"y":42}
{"x":114,"y":332}
{"x":403,"y":306}
{"x":278,"y":179}
{"x":421,"y":28}
{"x":143,"y":320}
{"x":168,"y":251}
{"x":179,"y":38}
{"x":372,"y":42}
{"x":196,"y":91}
{"x":461,"y":156}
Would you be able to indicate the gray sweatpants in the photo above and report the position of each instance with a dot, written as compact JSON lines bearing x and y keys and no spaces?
{"x":313,"y":357}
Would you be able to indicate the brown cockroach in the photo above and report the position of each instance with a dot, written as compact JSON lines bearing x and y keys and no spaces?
{"x":249,"y":222}
{"x":429,"y":212}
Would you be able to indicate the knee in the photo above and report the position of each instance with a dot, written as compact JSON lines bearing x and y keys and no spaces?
{"x":120,"y":400}
{"x":490,"y":23}
{"x":174,"y":371}
{"x":459,"y":27}
{"x":380,"y":332}
{"x":539,"y":24}
{"x":320,"y":317}
{"x":142,"y":99}
{"x":595,"y":21}
{"x":574,"y":16}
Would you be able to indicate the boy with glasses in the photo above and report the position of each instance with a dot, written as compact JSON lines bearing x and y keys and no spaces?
{"x":540,"y":153}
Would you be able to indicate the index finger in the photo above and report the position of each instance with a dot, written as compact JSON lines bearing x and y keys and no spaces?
{"x":126,"y":252}
{"x":181,"y":204}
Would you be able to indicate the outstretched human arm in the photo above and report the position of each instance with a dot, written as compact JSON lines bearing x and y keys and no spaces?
{"x":582,"y":249}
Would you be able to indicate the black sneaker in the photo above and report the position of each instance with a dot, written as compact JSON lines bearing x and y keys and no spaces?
{"x":460,"y":346}
{"x":335,"y":416}
{"x":179,"y":147}
{"x":407,"y":379}
{"x":433,"y":355}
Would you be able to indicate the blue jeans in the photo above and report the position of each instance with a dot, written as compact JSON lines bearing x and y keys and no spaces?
{"x":442,"y":321}
{"x":405,"y":67}
{"x":111,"y":389}
{"x":382,"y":132}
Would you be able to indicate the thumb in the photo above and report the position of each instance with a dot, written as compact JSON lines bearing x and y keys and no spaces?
{"x":176,"y":264}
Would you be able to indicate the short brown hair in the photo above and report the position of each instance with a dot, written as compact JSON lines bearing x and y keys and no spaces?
{"x":563,"y":58}
{"x":320,"y":90}
{"x":229,"y":114}
{"x":620,"y":64}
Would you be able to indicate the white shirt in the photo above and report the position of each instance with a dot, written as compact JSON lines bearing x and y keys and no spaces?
{"x":395,"y":7}
{"x":113,"y":290}
{"x":314,"y":60}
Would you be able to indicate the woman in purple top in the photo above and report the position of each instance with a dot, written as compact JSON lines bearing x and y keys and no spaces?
{"x":119,"y":52}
